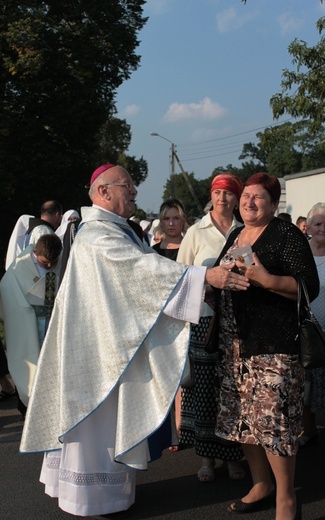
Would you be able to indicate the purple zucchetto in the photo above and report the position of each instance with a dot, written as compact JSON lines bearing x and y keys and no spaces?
{"x":100,"y":170}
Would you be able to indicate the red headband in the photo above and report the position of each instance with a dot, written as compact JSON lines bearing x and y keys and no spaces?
{"x":229,"y":182}
{"x":100,"y":170}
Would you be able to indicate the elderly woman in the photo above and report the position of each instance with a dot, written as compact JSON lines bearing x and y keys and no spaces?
{"x":315,"y":379}
{"x":261,"y":394}
{"x":202,"y":245}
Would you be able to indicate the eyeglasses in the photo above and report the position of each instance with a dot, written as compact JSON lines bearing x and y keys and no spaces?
{"x":124,"y":184}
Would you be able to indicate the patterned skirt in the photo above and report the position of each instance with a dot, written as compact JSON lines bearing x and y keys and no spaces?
{"x":199,"y":405}
{"x":261,"y":397}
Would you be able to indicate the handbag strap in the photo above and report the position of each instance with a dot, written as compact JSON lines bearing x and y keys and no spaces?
{"x":302,"y":287}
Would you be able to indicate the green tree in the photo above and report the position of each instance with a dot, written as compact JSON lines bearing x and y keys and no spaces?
{"x":288,"y":148}
{"x":60,"y":65}
{"x":176,"y":186}
{"x":303,"y":90}
{"x":114,"y":139}
{"x":257,"y":152}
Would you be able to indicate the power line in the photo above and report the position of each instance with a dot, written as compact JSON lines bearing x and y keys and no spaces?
{"x":211,"y":156}
{"x":236,"y":135}
{"x":218,"y":147}
{"x":221,"y":148}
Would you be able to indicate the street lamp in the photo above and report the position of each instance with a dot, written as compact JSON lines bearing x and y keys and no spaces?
{"x":172,"y":160}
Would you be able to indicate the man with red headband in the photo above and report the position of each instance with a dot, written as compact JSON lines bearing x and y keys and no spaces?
{"x":109,"y":370}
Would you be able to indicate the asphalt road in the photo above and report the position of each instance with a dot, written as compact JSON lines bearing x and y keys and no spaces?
{"x":169,"y":490}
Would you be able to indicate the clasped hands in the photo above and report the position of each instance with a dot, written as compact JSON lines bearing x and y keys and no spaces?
{"x":237,"y":276}
{"x":222,"y":277}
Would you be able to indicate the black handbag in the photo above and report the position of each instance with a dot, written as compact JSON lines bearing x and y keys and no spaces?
{"x":211,"y":339}
{"x":311,"y":337}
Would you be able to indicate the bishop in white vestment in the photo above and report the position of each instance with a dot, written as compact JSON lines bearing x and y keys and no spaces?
{"x":113,"y":356}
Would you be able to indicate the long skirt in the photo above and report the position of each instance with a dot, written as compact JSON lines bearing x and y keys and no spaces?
{"x":199,"y":403}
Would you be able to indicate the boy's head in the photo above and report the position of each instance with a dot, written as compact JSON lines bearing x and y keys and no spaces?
{"x":47,"y":250}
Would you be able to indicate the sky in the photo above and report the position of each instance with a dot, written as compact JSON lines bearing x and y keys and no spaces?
{"x":208,"y":70}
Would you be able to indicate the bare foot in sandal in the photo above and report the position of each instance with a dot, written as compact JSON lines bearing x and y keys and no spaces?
{"x":206,"y":471}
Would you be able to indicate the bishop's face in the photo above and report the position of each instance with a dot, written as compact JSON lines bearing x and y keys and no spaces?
{"x":120,"y":192}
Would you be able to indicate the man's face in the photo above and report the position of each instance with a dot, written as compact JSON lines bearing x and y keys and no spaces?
{"x":120,"y":192}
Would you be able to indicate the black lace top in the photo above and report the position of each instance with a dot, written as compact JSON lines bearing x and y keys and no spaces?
{"x":267,"y":322}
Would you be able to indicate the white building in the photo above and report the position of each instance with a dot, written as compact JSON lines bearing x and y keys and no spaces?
{"x":301,"y":192}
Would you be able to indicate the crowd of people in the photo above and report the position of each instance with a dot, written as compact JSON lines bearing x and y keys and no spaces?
{"x":126,"y":337}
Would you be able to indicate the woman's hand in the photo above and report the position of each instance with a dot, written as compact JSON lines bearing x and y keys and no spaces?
{"x":222,"y":277}
{"x":256,"y":272}
{"x":257,"y":275}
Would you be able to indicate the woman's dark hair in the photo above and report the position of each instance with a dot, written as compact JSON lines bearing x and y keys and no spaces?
{"x":269,"y":182}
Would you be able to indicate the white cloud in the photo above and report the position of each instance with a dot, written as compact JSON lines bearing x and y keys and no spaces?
{"x":131,"y":110}
{"x":230,"y":19}
{"x":205,"y":109}
{"x":288,"y":23}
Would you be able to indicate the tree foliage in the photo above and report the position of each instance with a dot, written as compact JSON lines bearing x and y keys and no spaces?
{"x":60,"y":65}
{"x":303,"y":89}
{"x":286,"y":149}
{"x":176,"y":186}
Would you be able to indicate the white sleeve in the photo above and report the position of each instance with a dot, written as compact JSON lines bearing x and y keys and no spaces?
{"x":186,"y":300}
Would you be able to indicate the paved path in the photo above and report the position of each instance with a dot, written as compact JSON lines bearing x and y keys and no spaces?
{"x":169,"y":490}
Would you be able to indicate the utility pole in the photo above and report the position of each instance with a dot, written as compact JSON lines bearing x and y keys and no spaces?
{"x":172,"y":169}
{"x":173,"y":156}
{"x":189,"y":185}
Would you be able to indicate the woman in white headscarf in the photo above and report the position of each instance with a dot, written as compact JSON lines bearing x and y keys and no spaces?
{"x":69,"y":215}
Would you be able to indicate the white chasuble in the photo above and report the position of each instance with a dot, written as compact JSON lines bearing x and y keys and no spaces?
{"x":112,"y":360}
{"x":22,"y":289}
